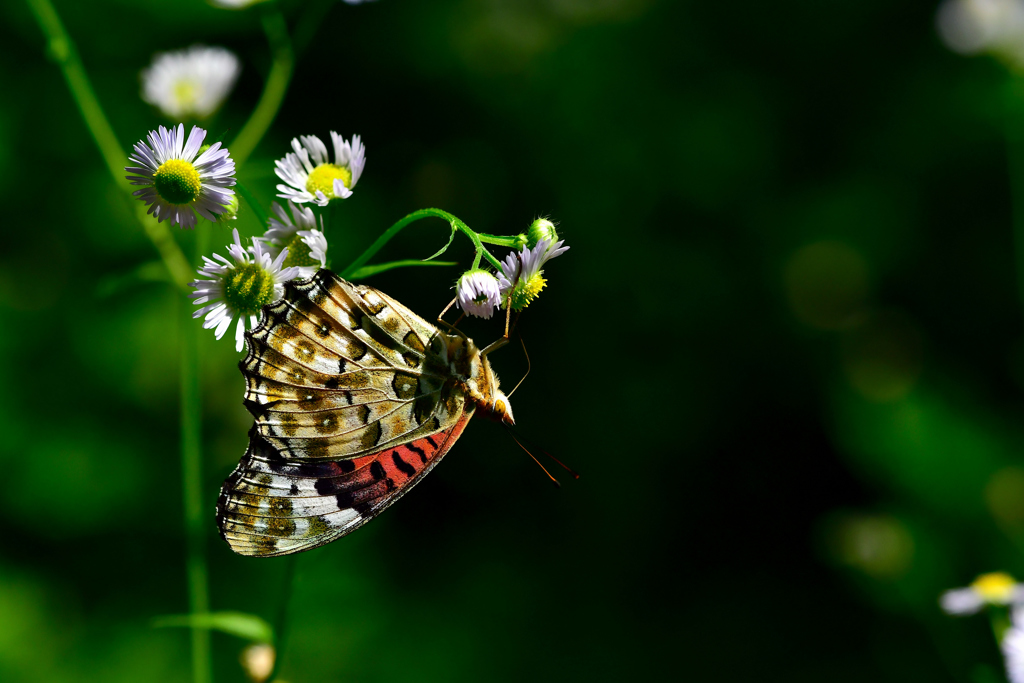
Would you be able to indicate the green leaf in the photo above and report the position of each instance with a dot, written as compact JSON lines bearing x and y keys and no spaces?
{"x":247,"y":626}
{"x":367,"y":271}
{"x":445,"y":247}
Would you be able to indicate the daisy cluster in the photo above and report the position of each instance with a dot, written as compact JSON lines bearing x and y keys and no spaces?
{"x":181,"y":179}
{"x":521,"y":277}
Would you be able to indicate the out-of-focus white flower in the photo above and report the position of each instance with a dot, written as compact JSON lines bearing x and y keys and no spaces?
{"x":478,"y":293}
{"x":306,"y":245}
{"x":239,"y":288}
{"x":190,"y":83}
{"x":996,"y":588}
{"x":310,"y":176}
{"x":993,"y":26}
{"x":235,"y":4}
{"x":258,"y":661}
{"x":1012,"y":646}
{"x":178,"y":181}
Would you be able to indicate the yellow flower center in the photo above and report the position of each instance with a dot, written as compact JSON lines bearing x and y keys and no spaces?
{"x":248,"y":288}
{"x":322,"y":178}
{"x":186,"y":93}
{"x":525,"y":292}
{"x":298,"y":253}
{"x":997,"y":587}
{"x":177,"y":181}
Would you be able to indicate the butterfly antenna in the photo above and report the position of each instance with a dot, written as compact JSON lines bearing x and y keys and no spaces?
{"x":553,"y":480}
{"x":509,"y":395}
{"x":533,"y":445}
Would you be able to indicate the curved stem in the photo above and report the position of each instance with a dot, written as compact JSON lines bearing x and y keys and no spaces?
{"x":62,"y":50}
{"x":415,"y":216}
{"x":273,"y":91}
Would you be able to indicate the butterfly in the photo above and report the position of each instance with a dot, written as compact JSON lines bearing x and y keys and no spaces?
{"x":355,"y":400}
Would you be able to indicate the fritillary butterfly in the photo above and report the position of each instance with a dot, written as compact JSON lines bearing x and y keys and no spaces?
{"x":355,"y":399}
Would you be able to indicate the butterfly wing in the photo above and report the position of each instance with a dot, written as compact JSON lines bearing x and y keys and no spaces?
{"x":268,"y":507}
{"x":353,"y":402}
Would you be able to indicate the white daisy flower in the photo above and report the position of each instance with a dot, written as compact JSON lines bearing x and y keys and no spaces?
{"x":521,"y":273}
{"x":190,"y":83}
{"x":996,"y":588}
{"x":239,"y":287}
{"x":177,"y":183}
{"x":307,"y":246}
{"x":311,"y":177}
{"x":478,"y":293}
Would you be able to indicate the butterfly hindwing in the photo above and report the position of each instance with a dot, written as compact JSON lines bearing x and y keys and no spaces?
{"x":270,"y":506}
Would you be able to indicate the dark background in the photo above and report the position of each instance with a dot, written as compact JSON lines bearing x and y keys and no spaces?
{"x":784,"y":350}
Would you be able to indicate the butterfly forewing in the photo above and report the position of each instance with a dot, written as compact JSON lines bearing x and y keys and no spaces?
{"x":353,"y":399}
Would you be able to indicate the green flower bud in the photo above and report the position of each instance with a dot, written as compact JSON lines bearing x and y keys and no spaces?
{"x":541,"y":229}
{"x":231,"y":211}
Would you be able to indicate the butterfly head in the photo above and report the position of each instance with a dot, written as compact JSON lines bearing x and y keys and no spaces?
{"x":501,"y":408}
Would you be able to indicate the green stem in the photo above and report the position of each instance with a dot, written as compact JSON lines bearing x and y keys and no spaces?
{"x":513,"y":242}
{"x":273,"y":91}
{"x":62,"y":50}
{"x":192,"y":477}
{"x":281,"y":623}
{"x":415,"y":216}
{"x":254,"y":205}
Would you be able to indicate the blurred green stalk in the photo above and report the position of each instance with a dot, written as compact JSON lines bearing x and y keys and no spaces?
{"x":192,"y":478}
{"x":62,"y":50}
{"x":273,"y":91}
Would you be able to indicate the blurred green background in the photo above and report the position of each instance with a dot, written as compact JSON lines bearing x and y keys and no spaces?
{"x":785,"y":350}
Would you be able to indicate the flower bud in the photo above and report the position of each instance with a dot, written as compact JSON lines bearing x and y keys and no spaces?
{"x":230,"y":211}
{"x":478,"y":293}
{"x":541,"y":229}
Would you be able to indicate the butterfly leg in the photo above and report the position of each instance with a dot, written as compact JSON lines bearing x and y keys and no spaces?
{"x":450,"y":304}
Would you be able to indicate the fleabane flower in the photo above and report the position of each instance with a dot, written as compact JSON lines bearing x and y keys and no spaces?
{"x":522,"y":274}
{"x":306,"y":245}
{"x":239,"y":287}
{"x":996,"y":588}
{"x":478,"y":293}
{"x":190,"y":83}
{"x":310,"y":176}
{"x":178,"y":181}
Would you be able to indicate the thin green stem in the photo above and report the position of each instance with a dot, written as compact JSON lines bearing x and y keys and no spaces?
{"x":281,"y":623}
{"x":455,"y":222}
{"x":192,"y":477}
{"x":62,"y":50}
{"x":513,"y":242}
{"x":273,"y":91}
{"x":254,"y":205}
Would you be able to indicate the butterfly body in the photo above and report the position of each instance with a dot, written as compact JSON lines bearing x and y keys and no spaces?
{"x":355,"y":399}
